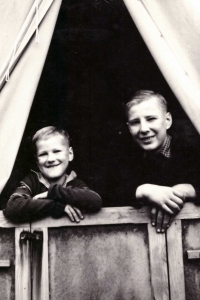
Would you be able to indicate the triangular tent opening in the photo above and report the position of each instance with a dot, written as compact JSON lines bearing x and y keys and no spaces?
{"x":97,"y":59}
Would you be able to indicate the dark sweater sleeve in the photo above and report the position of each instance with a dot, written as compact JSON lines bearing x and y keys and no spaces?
{"x":21,"y":207}
{"x":76,"y":194}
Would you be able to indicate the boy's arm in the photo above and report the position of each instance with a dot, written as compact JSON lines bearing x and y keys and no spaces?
{"x":167,"y":198}
{"x":77,"y":195}
{"x":187,"y":190}
{"x":21,"y":207}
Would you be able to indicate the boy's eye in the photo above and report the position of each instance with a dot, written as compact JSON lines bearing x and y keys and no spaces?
{"x":41,"y":154}
{"x":151,"y":119}
{"x":57,"y":151}
{"x":133,"y":122}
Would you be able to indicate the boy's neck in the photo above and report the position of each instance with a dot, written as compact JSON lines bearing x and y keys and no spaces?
{"x":165,"y":150}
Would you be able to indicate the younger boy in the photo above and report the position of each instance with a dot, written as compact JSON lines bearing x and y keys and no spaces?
{"x":51,"y":192}
{"x":165,"y":173}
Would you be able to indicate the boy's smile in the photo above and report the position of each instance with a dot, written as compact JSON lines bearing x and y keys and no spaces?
{"x":148,"y":124}
{"x":53,"y":156}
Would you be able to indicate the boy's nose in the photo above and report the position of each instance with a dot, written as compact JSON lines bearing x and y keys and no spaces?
{"x":50,"y":157}
{"x":144,"y":127}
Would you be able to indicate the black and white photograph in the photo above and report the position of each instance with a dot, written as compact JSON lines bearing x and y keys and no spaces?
{"x":99,"y":150}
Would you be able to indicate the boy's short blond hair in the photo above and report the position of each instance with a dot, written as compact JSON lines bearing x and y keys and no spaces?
{"x":144,"y":95}
{"x":48,"y":131}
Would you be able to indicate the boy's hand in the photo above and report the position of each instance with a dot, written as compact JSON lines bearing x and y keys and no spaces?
{"x":41,"y":196}
{"x":73,"y":213}
{"x":167,"y":198}
{"x":160,"y":219}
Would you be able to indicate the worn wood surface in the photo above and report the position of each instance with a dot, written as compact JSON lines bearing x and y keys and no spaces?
{"x":191,"y":241}
{"x":22,"y":267}
{"x":175,"y":261}
{"x":107,"y":216}
{"x":118,"y":215}
{"x":99,"y":262}
{"x":40,"y":267}
{"x":7,"y":257}
{"x":4,"y":263}
{"x":193,"y":254}
{"x":158,"y":264}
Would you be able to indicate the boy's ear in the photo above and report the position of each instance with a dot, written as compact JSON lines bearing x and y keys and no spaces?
{"x":168,"y":120}
{"x":71,"y":154}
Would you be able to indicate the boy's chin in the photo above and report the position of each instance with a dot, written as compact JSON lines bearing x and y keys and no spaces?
{"x":150,"y":148}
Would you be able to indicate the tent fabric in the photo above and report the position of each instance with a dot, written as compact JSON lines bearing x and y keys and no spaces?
{"x":171,"y":31}
{"x":17,"y":95}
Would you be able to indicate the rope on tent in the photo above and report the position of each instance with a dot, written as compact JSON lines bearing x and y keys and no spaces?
{"x":30,"y":26}
{"x":37,"y":39}
{"x":7,"y":75}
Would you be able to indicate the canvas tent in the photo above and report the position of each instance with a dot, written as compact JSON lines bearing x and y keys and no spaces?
{"x":172,"y":40}
{"x":106,"y":60}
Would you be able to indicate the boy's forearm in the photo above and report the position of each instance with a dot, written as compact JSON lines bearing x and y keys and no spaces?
{"x":187,"y":189}
{"x":24,"y":209}
{"x":82,"y":198}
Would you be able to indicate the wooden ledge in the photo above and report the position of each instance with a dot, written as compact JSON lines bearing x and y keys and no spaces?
{"x":107,"y":216}
{"x":118,"y":215}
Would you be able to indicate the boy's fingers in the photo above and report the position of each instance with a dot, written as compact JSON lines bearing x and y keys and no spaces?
{"x":167,"y":209}
{"x":175,"y":208}
{"x":74,"y":214}
{"x":178,"y":194}
{"x":69,"y":213}
{"x":166,"y":222}
{"x":154,"y":216}
{"x":79,"y":213}
{"x":159,"y":221}
{"x":177,"y":200}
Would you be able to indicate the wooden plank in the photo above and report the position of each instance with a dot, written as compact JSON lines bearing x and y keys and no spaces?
{"x":99,"y":262}
{"x":107,"y":216}
{"x":40,"y":270}
{"x":175,"y":261}
{"x":191,"y":241}
{"x":118,"y":215}
{"x":22,"y":266}
{"x":158,"y":264}
{"x":5,"y":223}
{"x":193,"y":254}
{"x":4,"y":263}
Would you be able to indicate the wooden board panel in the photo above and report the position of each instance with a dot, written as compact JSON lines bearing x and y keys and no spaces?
{"x":158,"y":263}
{"x":175,"y":261}
{"x":22,"y":266}
{"x":7,"y":274}
{"x":106,"y":262}
{"x":191,"y":241}
{"x":40,"y":271}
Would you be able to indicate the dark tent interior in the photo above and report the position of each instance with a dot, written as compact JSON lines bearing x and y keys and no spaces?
{"x":96,"y":61}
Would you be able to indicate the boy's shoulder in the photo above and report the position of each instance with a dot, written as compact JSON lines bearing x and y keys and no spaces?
{"x":31,"y":180}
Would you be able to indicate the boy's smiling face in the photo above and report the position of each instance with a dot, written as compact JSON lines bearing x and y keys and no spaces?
{"x":148,"y":123}
{"x":53,"y":156}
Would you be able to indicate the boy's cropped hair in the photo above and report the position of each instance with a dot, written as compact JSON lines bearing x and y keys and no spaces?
{"x":48,"y":131}
{"x":144,"y":95}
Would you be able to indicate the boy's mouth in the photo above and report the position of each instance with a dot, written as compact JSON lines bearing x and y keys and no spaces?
{"x":52,"y":166}
{"x":147,"y":138}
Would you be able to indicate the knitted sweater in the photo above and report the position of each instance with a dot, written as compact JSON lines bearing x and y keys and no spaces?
{"x":136,"y":169}
{"x":21,"y":206}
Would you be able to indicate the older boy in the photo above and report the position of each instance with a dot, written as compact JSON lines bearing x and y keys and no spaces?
{"x":51,"y":192}
{"x":167,"y":169}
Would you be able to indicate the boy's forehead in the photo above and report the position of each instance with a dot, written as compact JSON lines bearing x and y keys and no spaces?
{"x":151,"y":104}
{"x":52,"y":141}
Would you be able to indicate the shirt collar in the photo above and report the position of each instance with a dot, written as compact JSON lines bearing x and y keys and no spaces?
{"x":166,"y":148}
{"x":45,"y":182}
